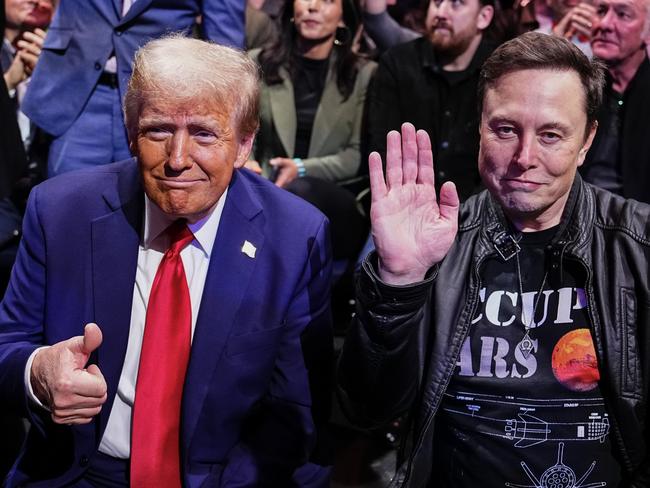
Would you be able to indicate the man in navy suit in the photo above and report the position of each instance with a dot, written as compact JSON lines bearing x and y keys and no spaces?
{"x":76,"y":91}
{"x":84,"y":300}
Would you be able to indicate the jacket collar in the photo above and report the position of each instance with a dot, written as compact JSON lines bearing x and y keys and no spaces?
{"x":573,"y":230}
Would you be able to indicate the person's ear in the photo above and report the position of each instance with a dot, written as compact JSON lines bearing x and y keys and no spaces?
{"x":485,"y":16}
{"x":244,"y":149}
{"x":587,"y":144}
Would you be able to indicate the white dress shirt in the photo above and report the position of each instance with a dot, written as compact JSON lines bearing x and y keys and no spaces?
{"x":154,"y":242}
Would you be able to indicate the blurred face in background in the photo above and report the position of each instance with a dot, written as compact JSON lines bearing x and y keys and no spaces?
{"x":452,"y":25}
{"x":619,"y":30}
{"x":29,"y":13}
{"x":317,"y":20}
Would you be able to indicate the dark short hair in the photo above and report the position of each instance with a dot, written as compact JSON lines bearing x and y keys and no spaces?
{"x":534,"y":50}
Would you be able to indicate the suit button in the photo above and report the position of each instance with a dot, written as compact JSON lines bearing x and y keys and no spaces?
{"x":118,"y":33}
{"x":98,"y":66}
{"x":83,"y":461}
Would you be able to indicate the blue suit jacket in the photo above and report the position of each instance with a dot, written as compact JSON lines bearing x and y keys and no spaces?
{"x":85,"y":33}
{"x":261,"y":342}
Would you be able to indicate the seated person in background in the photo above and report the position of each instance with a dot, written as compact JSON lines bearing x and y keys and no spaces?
{"x":619,"y":159}
{"x":23,"y":38}
{"x":311,"y":110}
{"x":431,"y":82}
{"x":571,"y":19}
{"x":208,"y":292}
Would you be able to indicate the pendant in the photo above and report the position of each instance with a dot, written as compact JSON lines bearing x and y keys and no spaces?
{"x":526,"y":345}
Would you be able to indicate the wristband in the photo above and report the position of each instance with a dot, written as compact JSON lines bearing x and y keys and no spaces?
{"x":301,"y":167}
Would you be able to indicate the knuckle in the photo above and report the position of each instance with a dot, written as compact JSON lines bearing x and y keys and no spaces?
{"x":63,"y":385}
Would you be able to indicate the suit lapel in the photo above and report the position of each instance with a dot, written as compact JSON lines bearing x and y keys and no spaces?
{"x":229,"y":274}
{"x":115,"y":239}
{"x":283,"y":110}
{"x":117,"y":6}
{"x":327,"y":115}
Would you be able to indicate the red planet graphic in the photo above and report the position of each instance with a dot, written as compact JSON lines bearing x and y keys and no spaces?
{"x":574,"y":361}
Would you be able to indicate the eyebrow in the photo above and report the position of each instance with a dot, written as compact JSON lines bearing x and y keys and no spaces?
{"x":192,"y":120}
{"x":557,"y":126}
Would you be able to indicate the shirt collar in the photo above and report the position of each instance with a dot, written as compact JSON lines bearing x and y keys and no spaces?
{"x":204,"y":230}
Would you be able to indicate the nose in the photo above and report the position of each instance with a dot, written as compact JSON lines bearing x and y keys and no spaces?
{"x":443,"y":9}
{"x":313,"y":5}
{"x":179,"y":151}
{"x":525,"y":156}
{"x":604,"y":21}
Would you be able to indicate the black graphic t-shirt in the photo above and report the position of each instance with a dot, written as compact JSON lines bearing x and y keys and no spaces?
{"x":516,"y":418}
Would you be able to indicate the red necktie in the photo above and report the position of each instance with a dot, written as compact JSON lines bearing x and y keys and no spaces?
{"x":155,"y":439}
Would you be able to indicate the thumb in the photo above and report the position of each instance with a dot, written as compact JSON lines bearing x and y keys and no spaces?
{"x":92,"y":338}
{"x":449,"y":202}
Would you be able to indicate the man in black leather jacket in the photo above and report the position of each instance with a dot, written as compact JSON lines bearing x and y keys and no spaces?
{"x":512,"y":331}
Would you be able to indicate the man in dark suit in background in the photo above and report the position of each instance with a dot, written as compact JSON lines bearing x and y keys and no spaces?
{"x":76,"y":91}
{"x":205,"y":356}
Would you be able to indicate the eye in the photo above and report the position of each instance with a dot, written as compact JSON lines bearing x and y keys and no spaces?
{"x":624,"y":15}
{"x":505,"y":131}
{"x":157,"y":133}
{"x":204,"y":136}
{"x":549,"y":137}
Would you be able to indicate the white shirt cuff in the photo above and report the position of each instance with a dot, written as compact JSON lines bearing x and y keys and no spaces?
{"x":28,"y":383}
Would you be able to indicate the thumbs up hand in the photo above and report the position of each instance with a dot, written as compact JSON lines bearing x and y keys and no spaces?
{"x":61,"y":381}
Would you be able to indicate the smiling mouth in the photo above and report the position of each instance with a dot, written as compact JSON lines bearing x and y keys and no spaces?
{"x":177,"y":183}
{"x":520,"y":184}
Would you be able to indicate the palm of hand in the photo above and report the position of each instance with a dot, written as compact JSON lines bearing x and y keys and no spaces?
{"x":408,"y":230}
{"x":412,"y":229}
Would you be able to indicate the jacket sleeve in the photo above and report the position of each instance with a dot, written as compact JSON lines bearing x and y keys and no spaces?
{"x":281,"y":435}
{"x":345,"y":163}
{"x":22,"y":311}
{"x":385,"y":31}
{"x":379,"y":368}
{"x":223,"y":22}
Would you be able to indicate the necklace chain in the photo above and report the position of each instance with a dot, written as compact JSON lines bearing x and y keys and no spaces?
{"x":526,"y":344}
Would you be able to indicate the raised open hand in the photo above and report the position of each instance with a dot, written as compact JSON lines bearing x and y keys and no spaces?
{"x":411,"y":229}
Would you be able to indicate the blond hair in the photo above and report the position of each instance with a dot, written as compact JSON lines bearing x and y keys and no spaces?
{"x":184,"y":70}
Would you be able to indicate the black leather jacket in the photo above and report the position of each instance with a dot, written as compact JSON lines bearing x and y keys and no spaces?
{"x":402,"y":348}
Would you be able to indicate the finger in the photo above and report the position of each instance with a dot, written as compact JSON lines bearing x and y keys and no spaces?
{"x":87,"y":385}
{"x":69,"y":403}
{"x":425,"y":159}
{"x":581,"y":29}
{"x":92,"y":338}
{"x":33,"y":38}
{"x":409,"y":153}
{"x":28,"y":58}
{"x":581,"y":21}
{"x":40,"y":33}
{"x":449,"y":202}
{"x":64,"y":416}
{"x":73,"y":420}
{"x":376,"y":171}
{"x":30,"y":46}
{"x":282,"y":179}
{"x":393,"y":159}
